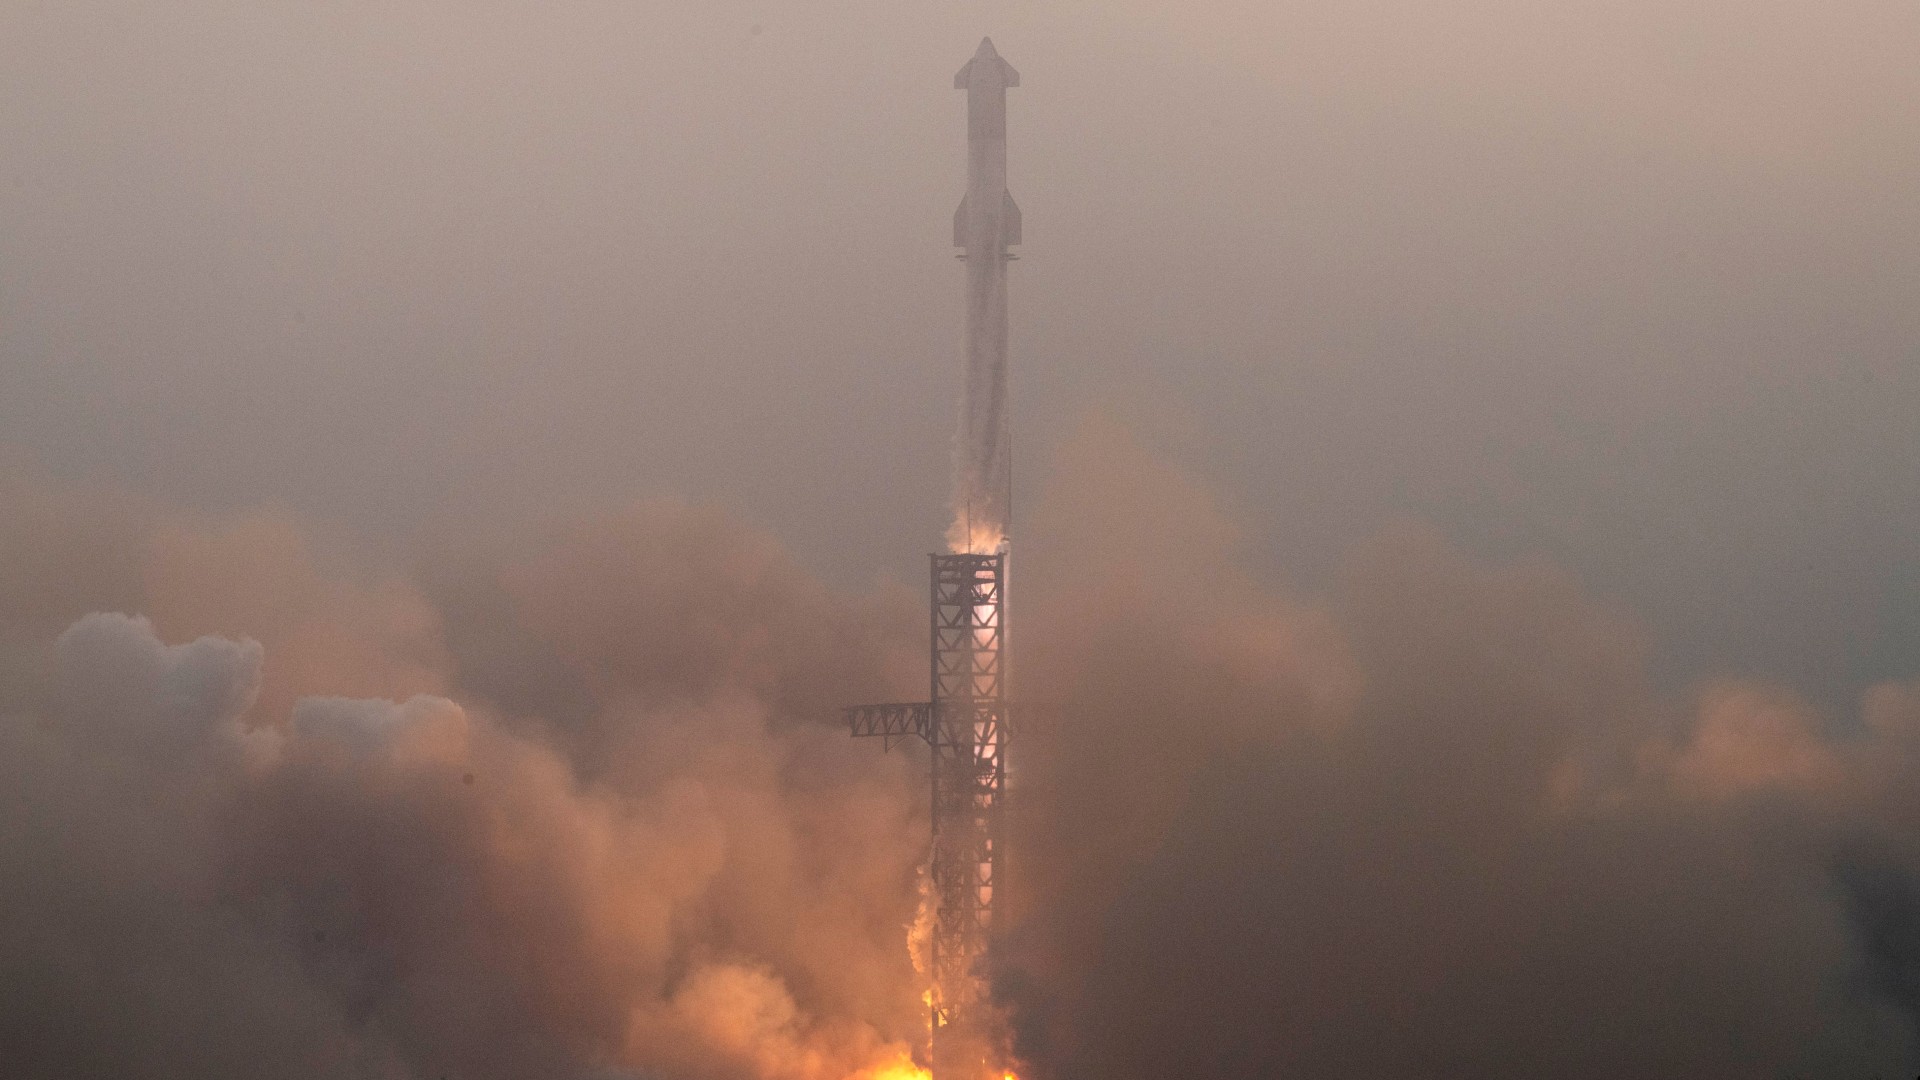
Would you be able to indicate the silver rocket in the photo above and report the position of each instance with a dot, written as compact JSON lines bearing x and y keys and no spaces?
{"x":986,"y":224}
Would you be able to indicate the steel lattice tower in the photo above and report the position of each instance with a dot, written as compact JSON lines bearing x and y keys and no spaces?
{"x":966,"y":725}
{"x":968,"y":737}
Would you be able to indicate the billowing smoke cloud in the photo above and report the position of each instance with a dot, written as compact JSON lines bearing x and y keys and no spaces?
{"x":1443,"y":828}
{"x":701,"y":879}
{"x":579,"y":807}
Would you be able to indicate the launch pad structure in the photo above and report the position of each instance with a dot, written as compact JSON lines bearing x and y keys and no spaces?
{"x":965,"y":720}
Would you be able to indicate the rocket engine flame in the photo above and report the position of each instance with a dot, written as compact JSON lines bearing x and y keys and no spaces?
{"x":971,"y":535}
{"x":902,"y":1068}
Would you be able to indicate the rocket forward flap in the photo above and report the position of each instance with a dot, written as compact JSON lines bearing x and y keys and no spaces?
{"x":1006,"y":75}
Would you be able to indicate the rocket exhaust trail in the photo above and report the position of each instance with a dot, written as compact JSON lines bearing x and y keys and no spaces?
{"x":984,"y":226}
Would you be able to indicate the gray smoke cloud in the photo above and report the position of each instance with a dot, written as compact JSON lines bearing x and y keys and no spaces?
{"x":1441,"y":825}
{"x":117,"y":956}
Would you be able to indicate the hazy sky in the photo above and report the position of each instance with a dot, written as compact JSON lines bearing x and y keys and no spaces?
{"x":1628,"y":284}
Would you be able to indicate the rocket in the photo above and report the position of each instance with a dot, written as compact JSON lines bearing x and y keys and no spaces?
{"x":986,"y":224}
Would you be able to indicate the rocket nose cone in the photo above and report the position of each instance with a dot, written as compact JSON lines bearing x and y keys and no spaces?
{"x":987,"y":68}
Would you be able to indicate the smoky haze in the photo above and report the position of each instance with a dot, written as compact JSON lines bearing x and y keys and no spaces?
{"x":1626,"y":284}
{"x":455,"y":459}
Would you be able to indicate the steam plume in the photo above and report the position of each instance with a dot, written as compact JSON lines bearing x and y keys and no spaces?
{"x":577,"y":808}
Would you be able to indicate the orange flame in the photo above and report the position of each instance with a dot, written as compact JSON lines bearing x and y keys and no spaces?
{"x":903,"y":1069}
{"x":974,"y":537}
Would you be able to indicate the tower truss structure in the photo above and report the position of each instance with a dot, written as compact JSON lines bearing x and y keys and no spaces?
{"x":966,"y":725}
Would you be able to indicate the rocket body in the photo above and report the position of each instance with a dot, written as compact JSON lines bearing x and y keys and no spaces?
{"x":986,"y":224}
